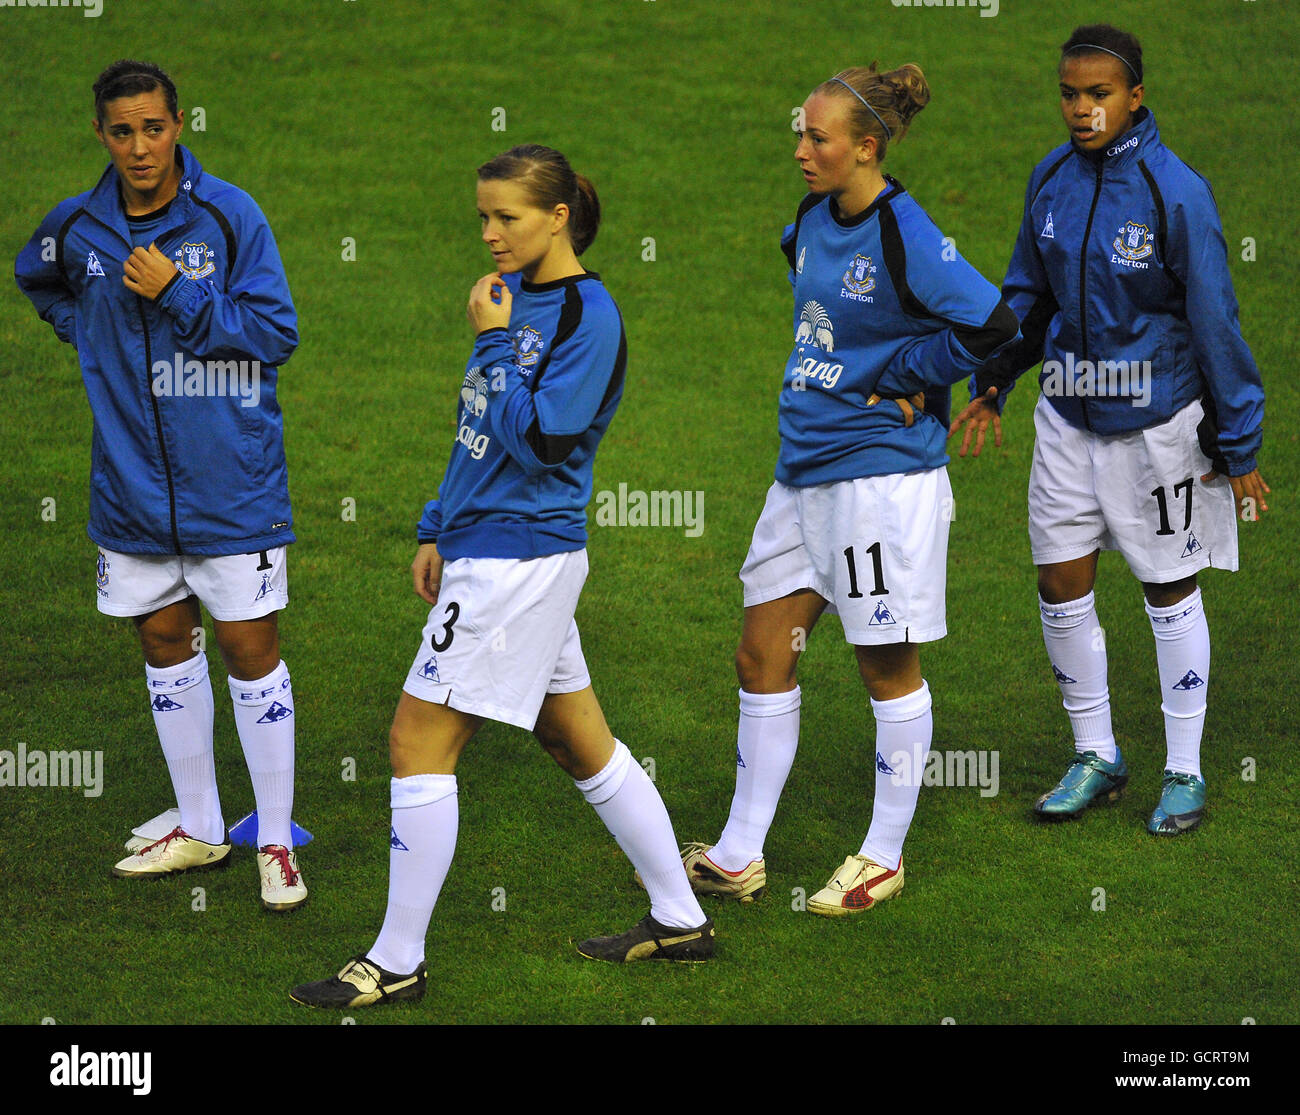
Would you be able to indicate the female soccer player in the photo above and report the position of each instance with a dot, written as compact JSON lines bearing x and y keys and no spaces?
{"x":886,"y":317}
{"x":502,"y":560}
{"x":1149,"y":417}
{"x":168,"y":283}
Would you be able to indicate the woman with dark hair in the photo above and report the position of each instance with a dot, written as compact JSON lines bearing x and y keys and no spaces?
{"x":502,"y":559}
{"x":168,"y":282}
{"x":1149,"y":418}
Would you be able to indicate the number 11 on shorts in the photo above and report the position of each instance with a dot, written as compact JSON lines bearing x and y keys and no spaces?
{"x":877,"y":569}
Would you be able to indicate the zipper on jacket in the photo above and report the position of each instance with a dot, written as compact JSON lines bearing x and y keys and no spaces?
{"x":1083,"y":281}
{"x":157,"y":423}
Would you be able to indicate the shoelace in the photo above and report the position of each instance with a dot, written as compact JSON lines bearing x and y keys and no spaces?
{"x":1089,"y":759}
{"x":175,"y":833}
{"x":280,"y":854}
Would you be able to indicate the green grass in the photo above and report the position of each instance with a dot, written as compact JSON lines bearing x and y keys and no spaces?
{"x":366,"y":120}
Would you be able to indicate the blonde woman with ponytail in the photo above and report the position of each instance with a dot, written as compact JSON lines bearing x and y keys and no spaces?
{"x":886,"y":317}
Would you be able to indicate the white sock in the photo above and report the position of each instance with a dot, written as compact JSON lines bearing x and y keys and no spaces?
{"x":766,"y":741}
{"x":1077,"y":650}
{"x":181,"y":698}
{"x":426,"y":816}
{"x":904,"y":728}
{"x":1183,"y":657}
{"x":627,"y":801}
{"x":264,"y":718}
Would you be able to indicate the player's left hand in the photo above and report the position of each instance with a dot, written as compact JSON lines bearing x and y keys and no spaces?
{"x":489,"y":303}
{"x":146,"y":271}
{"x":1248,"y":491}
{"x":976,"y":417}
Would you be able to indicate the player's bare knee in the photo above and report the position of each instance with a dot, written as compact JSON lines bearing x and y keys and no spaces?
{"x":557,"y":745}
{"x":161,"y":650}
{"x":550,"y":739}
{"x":1169,"y":594}
{"x":758,"y":672}
{"x":1057,"y":587}
{"x":889,"y":671}
{"x":746,"y":667}
{"x":558,"y":750}
{"x":1047,"y":587}
{"x":249,"y":651}
{"x":404,"y":753}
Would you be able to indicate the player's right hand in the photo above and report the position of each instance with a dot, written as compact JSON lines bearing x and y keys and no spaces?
{"x":489,"y":303}
{"x":977,"y":416}
{"x":426,"y":571}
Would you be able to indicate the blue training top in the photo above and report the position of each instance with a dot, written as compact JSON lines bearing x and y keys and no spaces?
{"x":883,"y":304}
{"x":536,"y":400}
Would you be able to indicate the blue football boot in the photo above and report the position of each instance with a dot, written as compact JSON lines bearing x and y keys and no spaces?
{"x":1182,"y":804}
{"x":1088,"y":779}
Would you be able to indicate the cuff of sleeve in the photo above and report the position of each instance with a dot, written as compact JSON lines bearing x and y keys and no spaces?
{"x":979,"y":386}
{"x":178,"y":298}
{"x":170,"y":283}
{"x":430,"y":524}
{"x":1242,"y":468}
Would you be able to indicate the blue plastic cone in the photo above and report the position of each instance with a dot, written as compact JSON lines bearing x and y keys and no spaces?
{"x":244,"y":832}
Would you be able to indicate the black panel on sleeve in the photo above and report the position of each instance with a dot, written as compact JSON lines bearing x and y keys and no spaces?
{"x":231,"y":246}
{"x":550,"y":450}
{"x":807,"y":203}
{"x":982,"y":340}
{"x":1003,"y":370}
{"x":62,"y":235}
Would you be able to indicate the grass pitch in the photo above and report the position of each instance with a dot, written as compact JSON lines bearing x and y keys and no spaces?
{"x":365,"y":121}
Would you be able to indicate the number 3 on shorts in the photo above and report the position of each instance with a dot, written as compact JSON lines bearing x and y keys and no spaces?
{"x":1159,"y":493}
{"x":453,"y":614}
{"x":876,"y":567}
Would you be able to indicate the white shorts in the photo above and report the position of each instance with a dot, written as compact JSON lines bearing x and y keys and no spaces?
{"x":231,"y":587}
{"x":502,"y":637}
{"x":875,"y":547}
{"x":1139,"y":493}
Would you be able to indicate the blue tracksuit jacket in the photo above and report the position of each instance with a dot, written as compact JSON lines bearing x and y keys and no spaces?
{"x":177,"y":467}
{"x":1121,"y":263}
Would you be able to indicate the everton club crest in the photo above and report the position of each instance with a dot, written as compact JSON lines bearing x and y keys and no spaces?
{"x":528,"y":346}
{"x":1133,"y":242}
{"x":859,"y":278}
{"x":194,"y":261}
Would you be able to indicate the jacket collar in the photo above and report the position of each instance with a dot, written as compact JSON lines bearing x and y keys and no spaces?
{"x":1133,"y":145}
{"x":105,"y":201}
